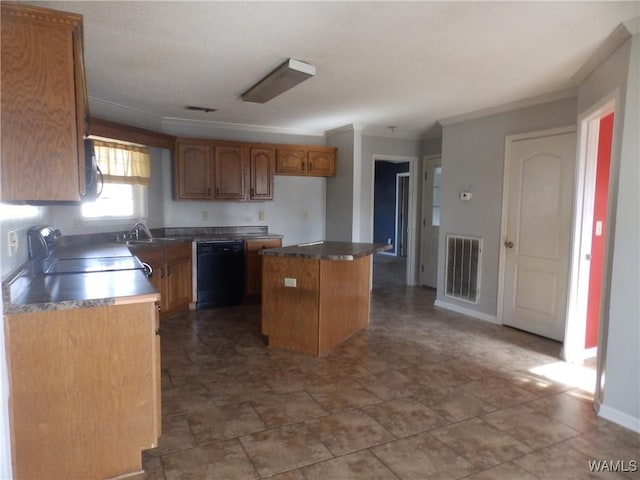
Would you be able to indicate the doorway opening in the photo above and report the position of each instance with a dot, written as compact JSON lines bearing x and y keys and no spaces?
{"x":584,"y":336}
{"x":393,"y":212}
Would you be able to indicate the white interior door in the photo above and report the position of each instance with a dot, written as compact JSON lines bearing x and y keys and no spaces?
{"x":430,"y":221}
{"x":539,"y":188}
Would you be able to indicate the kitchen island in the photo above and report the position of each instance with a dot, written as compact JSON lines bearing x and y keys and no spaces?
{"x":316,"y":295}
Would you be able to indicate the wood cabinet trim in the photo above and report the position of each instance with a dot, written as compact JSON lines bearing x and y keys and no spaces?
{"x":127,"y":133}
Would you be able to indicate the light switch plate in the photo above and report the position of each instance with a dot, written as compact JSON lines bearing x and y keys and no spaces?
{"x":290,"y":282}
{"x":13,"y":243}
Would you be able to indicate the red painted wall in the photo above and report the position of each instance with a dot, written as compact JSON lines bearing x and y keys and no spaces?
{"x":597,"y":241}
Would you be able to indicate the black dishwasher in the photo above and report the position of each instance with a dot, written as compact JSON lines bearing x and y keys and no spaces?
{"x":220,"y":277}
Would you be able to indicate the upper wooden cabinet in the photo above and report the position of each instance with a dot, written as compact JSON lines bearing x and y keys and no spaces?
{"x":193,"y":172}
{"x":262,"y":167}
{"x":291,"y":161}
{"x":305,"y":160}
{"x":229,"y":172}
{"x":44,"y":104}
{"x":211,"y":170}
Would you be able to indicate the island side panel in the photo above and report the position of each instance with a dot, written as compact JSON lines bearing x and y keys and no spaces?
{"x":345,"y":299}
{"x":290,"y":314}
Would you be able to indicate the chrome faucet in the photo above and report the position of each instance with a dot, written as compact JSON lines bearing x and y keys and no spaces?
{"x":135,"y":231}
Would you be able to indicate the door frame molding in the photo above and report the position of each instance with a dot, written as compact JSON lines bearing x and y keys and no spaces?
{"x":427,"y":215}
{"x":584,"y":188}
{"x":398,"y":182}
{"x":509,"y":139}
{"x":412,"y":260}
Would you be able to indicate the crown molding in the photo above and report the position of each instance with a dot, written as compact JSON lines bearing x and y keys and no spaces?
{"x":616,"y":38}
{"x":385,"y":132}
{"x":507,"y":107}
{"x":350,"y":127}
{"x":122,"y":114}
{"x":632,"y":25}
{"x":170,"y":122}
{"x":139,"y":118}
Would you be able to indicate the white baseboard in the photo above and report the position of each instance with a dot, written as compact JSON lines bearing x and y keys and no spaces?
{"x":466,"y":311}
{"x":621,"y":418}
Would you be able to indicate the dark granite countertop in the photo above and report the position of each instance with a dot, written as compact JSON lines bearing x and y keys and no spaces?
{"x":81,"y":290}
{"x":29,"y":292}
{"x":340,"y":251}
{"x":25,"y":291}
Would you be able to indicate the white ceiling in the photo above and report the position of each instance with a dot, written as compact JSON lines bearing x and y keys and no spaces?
{"x":378,"y":64}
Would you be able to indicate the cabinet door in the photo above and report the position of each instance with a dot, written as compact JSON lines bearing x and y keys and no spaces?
{"x":90,"y":388}
{"x":178,"y":284}
{"x":262,"y":169}
{"x":43,"y":105}
{"x":253,"y":263}
{"x":193,"y":171}
{"x":155,"y":258}
{"x":322,"y":164}
{"x":291,"y":161}
{"x":178,"y":277}
{"x":229,"y":173}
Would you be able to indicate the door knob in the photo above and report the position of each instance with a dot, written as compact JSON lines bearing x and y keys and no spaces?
{"x":508,"y":244}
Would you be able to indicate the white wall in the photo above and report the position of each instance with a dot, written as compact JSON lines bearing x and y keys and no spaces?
{"x":620,"y":360}
{"x":18,"y":218}
{"x":340,"y":194}
{"x":473,"y":160}
{"x":622,"y":383}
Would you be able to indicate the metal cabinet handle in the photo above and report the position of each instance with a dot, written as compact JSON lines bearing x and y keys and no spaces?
{"x":168,"y":271}
{"x":508,"y":244}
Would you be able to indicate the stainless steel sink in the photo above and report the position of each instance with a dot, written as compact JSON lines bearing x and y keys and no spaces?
{"x":135,"y":241}
{"x":147,"y":241}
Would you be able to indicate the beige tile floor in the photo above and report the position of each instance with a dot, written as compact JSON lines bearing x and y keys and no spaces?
{"x":421,"y":393}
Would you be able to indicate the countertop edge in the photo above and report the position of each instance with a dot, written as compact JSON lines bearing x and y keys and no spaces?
{"x":322,"y":251}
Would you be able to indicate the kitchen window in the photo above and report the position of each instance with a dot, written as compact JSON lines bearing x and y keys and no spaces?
{"x":126,"y":172}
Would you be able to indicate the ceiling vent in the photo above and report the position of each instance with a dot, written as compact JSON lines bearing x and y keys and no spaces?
{"x":201,"y":109}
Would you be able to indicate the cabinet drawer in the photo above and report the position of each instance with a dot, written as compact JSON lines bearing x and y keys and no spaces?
{"x":259,"y":244}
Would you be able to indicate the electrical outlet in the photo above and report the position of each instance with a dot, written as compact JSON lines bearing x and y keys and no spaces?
{"x":13,"y":243}
{"x":261,"y":215}
{"x":305,"y":215}
{"x":204,"y":216}
{"x":290,"y":282}
{"x":388,"y":241}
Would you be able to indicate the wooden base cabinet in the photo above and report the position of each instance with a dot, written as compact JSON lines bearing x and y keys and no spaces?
{"x":172,"y":275}
{"x":84,"y":390}
{"x":328,"y":301}
{"x":253,"y":265}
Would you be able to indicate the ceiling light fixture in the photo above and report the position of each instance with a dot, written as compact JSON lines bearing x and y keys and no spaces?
{"x":287,"y":75}
{"x":200,"y":109}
